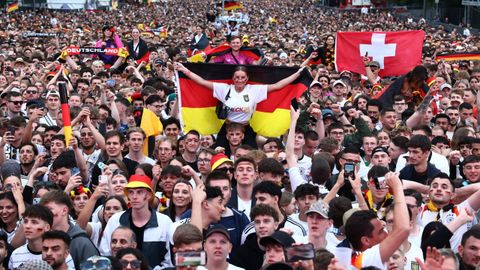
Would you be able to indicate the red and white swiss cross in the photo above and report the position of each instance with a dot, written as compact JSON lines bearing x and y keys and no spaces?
{"x":397,"y":52}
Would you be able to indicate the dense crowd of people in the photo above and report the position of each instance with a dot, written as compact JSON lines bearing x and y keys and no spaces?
{"x":373,"y":173}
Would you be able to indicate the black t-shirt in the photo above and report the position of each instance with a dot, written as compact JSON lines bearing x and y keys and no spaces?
{"x":138,"y":233}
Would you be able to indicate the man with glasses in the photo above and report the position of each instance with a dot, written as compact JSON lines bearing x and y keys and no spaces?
{"x":89,"y":138}
{"x":348,"y":155}
{"x":154,"y":104}
{"x":53,"y":106}
{"x":14,"y":104}
{"x":203,"y":162}
{"x":399,"y":105}
{"x":164,"y":151}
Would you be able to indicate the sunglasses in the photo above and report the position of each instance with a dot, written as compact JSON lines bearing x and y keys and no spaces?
{"x":133,"y":264}
{"x":96,"y":264}
{"x":31,"y":91}
{"x":17,"y":102}
{"x":227,"y":169}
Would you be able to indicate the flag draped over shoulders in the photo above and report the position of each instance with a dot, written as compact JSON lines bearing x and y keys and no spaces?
{"x":272,"y":116}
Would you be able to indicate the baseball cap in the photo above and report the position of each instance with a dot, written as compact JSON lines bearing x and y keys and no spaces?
{"x":328,"y":113}
{"x":37,"y":103}
{"x":339,"y":82}
{"x":374,"y":63}
{"x":52,"y":93}
{"x":283,"y":55}
{"x":445,"y":85}
{"x":379,"y":149}
{"x":278,"y":237}
{"x":320,"y":207}
{"x":277,"y":266}
{"x":218,"y":228}
{"x":315,"y":82}
{"x":349,"y":213}
{"x":218,"y":160}
{"x":139,"y":181}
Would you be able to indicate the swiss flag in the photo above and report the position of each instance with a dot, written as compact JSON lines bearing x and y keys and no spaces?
{"x":397,"y":52}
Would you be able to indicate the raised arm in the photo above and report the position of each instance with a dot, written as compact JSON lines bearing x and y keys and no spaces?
{"x":401,"y":222}
{"x":284,"y":82}
{"x":193,"y":76}
{"x":86,"y":213}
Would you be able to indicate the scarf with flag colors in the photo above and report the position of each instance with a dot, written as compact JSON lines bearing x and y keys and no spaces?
{"x":272,"y":116}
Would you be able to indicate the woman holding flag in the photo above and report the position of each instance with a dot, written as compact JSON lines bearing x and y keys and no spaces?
{"x":240,"y":99}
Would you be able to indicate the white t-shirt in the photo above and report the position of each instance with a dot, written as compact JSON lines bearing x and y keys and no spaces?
{"x":413,"y":252}
{"x":240,"y":105}
{"x":296,"y":217}
{"x":244,"y":206}
{"x":447,"y":217}
{"x":372,"y":257}
{"x":22,"y":254}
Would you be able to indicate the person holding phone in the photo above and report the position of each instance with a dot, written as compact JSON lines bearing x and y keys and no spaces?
{"x":240,"y":99}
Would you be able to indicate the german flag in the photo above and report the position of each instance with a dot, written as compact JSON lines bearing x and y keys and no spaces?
{"x":272,"y":116}
{"x":12,"y":7}
{"x":458,"y":56}
{"x":251,"y":52}
{"x":67,"y":124}
{"x":231,"y":5}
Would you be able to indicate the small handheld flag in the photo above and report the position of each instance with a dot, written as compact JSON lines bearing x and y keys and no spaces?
{"x":67,"y":125}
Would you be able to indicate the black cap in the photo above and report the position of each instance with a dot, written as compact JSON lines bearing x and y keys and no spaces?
{"x":278,"y":237}
{"x":218,"y":228}
{"x":379,"y":149}
{"x":37,"y":103}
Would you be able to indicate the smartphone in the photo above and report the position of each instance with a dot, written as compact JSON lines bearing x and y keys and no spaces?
{"x":101,"y":165}
{"x":349,"y":170}
{"x":190,"y":258}
{"x":300,"y":252}
{"x":36,"y":200}
{"x":75,"y":171}
{"x":415,"y":266}
{"x":379,"y":182}
{"x":111,"y":83}
{"x":102,"y":180}
{"x":295,"y":104}
{"x":12,"y":130}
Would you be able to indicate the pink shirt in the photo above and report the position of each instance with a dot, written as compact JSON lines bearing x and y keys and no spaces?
{"x":229,"y":59}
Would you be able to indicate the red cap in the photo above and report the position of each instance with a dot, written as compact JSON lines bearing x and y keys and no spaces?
{"x":218,"y":160}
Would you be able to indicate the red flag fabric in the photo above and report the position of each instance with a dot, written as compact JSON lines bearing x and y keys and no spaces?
{"x":397,"y":52}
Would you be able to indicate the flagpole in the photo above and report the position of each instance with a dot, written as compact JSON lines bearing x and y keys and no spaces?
{"x":179,"y":98}
{"x":223,"y":6}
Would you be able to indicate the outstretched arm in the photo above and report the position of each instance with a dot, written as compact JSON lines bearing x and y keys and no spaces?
{"x":282,"y":83}
{"x":193,"y":76}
